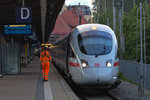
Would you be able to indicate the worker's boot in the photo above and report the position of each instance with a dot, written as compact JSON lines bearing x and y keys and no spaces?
{"x":46,"y":78}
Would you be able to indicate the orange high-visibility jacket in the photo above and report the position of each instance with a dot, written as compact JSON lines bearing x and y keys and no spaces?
{"x":45,"y":56}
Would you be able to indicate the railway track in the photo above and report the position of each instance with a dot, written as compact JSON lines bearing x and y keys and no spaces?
{"x":93,"y":94}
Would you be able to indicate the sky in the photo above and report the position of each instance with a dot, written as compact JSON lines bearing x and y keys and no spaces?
{"x":82,"y":2}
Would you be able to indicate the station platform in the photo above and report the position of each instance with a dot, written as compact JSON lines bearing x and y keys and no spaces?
{"x":29,"y":85}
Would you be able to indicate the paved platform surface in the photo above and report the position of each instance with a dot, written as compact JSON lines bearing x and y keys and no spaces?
{"x":59,"y":87}
{"x":29,"y":85}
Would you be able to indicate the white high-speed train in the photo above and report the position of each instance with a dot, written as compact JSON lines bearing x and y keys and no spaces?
{"x":88,"y":55}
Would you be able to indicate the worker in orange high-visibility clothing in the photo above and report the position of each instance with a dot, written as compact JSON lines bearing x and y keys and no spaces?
{"x":45,"y":58}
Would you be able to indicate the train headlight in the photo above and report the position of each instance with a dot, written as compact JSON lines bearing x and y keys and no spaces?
{"x":84,"y":63}
{"x":109,"y":63}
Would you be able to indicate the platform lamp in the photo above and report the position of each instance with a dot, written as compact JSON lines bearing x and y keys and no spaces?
{"x":1,"y":76}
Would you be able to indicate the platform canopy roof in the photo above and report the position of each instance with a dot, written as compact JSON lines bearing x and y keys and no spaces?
{"x":44,"y":14}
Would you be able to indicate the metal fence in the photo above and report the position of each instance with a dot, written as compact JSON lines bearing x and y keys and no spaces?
{"x":130,"y":70}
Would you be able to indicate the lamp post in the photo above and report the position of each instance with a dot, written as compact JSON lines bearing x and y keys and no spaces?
{"x":119,"y":4}
{"x":79,"y":12}
{"x":146,"y":4}
{"x":114,"y":16}
{"x":141,"y":62}
{"x":142,"y":71}
{"x":133,"y":3}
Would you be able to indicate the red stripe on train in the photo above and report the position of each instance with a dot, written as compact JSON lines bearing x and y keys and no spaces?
{"x":74,"y":64}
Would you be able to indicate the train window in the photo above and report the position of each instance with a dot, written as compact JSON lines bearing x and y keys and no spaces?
{"x":95,"y":42}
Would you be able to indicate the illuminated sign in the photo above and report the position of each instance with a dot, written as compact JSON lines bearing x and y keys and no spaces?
{"x":23,"y":14}
{"x":46,"y":44}
{"x":18,"y":29}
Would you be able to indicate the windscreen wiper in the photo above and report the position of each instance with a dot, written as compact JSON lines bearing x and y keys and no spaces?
{"x":99,"y":54}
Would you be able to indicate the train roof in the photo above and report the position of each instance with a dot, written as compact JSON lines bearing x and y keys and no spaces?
{"x":100,"y":27}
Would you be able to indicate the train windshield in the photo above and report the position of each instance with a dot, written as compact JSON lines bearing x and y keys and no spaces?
{"x":95,"y":42}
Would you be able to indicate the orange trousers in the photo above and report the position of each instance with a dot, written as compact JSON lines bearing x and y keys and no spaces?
{"x":45,"y":69}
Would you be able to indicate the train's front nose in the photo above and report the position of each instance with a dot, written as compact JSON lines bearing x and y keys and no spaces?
{"x":89,"y":75}
{"x":97,"y":76}
{"x":96,"y":52}
{"x":104,"y":76}
{"x":104,"y":73}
